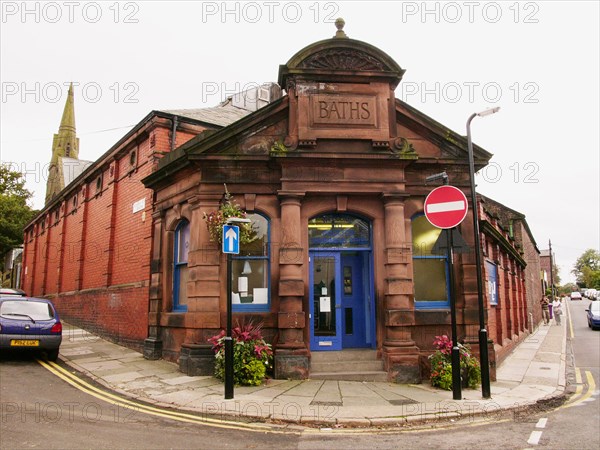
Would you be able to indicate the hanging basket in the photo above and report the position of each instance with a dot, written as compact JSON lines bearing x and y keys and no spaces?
{"x":215,"y":221}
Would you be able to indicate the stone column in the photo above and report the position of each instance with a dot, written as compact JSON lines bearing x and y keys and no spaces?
{"x":291,"y":353}
{"x":153,"y":344}
{"x":204,"y":267}
{"x":400,"y":353}
{"x":203,"y":290}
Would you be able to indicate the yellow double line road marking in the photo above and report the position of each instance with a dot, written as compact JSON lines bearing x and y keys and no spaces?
{"x":578,"y":397}
{"x":570,"y":323}
{"x":115,"y":400}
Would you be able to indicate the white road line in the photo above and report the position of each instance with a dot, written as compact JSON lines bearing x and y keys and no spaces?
{"x":534,"y":439}
{"x":446,"y":206}
{"x":541,"y":423}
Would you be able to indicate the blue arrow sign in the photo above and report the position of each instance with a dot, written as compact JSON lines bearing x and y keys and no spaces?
{"x":231,"y":239}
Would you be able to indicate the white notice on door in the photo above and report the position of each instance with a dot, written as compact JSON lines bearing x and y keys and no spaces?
{"x":325,"y":304}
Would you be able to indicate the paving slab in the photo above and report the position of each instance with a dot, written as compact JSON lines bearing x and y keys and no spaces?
{"x":121,"y":378}
{"x":308,"y":388}
{"x":534,"y":370}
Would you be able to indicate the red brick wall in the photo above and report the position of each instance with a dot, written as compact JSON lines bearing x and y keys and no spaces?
{"x":69,"y":271}
{"x":132,"y":244}
{"x":120,"y":314}
{"x":53,"y":252}
{"x":97,"y":235}
{"x":104,"y":288}
{"x":40,"y":258}
{"x":29,"y":242}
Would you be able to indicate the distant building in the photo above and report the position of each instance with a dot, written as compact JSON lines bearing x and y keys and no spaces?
{"x":11,"y":276}
{"x":512,"y":275}
{"x":545,"y":267}
{"x":65,"y":165}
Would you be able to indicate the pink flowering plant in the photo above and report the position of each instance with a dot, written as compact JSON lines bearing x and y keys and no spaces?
{"x":216,"y":219}
{"x":252,"y":356}
{"x":441,"y":365}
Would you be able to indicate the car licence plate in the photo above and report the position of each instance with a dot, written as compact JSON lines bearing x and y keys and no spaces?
{"x":24,"y":343}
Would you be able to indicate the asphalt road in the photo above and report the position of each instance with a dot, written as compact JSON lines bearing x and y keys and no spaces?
{"x":40,"y":410}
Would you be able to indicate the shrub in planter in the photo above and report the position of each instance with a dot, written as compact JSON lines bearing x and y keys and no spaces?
{"x":252,"y":356}
{"x":441,"y":365}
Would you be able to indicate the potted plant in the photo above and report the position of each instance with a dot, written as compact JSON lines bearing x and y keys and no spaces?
{"x":252,"y":356}
{"x":441,"y":365}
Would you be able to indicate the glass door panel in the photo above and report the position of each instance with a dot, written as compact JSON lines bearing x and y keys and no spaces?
{"x":325,"y":307}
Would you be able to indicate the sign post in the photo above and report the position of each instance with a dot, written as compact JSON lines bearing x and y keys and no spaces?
{"x":446,"y":208}
{"x":231,"y":245}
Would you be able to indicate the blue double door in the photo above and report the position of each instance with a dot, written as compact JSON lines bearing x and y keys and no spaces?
{"x":341,"y":307}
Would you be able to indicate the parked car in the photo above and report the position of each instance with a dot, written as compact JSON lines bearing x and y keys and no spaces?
{"x":10,"y":292}
{"x":28,"y":323}
{"x":576,"y":295}
{"x":592,"y":294}
{"x":593,"y":315}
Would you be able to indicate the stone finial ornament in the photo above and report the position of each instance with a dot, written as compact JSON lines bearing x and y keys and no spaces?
{"x":339,"y":24}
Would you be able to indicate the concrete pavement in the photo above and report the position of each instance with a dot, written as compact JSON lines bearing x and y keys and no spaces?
{"x":534,"y":372}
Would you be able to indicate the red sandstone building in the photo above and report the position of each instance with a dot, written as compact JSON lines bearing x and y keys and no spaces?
{"x":332,"y":175}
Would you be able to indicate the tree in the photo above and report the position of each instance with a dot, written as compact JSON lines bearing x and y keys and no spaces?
{"x":555,"y":274}
{"x":566,"y":289}
{"x":14,"y":210}
{"x":587,"y":269}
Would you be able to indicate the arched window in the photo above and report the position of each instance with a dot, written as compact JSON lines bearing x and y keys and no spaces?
{"x":181,"y":248}
{"x":430,"y":272}
{"x":250,"y":269}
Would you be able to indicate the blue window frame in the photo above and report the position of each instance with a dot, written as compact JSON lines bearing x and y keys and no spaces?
{"x":180,"y":266}
{"x":430,"y":272}
{"x":251,"y":270}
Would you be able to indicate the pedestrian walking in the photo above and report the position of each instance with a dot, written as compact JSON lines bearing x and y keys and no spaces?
{"x":557,"y":310}
{"x":545,"y":310}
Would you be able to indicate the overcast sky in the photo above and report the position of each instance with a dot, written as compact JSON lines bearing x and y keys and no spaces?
{"x":537,"y":60}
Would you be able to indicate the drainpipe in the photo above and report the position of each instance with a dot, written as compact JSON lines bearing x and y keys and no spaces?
{"x":174,"y":133}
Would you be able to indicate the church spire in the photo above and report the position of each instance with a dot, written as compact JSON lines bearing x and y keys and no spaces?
{"x":64,"y":145}
{"x":68,"y":118}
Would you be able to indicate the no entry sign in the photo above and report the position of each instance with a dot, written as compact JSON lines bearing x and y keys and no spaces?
{"x":446,"y":207}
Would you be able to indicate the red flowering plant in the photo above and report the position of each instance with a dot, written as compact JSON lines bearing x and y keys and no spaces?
{"x":441,"y":364}
{"x":216,"y":219}
{"x":252,"y":356}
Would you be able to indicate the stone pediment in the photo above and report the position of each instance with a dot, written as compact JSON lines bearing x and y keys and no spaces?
{"x":342,"y":59}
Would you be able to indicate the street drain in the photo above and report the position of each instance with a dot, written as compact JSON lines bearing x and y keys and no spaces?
{"x":545,"y":368}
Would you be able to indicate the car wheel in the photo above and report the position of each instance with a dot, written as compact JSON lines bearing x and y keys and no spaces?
{"x":52,"y":355}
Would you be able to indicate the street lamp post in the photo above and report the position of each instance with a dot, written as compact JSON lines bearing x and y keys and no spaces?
{"x":483,"y":336}
{"x":551,"y":272}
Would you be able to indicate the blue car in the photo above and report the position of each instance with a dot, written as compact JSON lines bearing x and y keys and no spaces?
{"x":593,"y":315}
{"x":28,"y":323}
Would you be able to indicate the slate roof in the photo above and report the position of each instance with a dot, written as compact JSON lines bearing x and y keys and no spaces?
{"x":222,"y":115}
{"x":72,"y":168}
